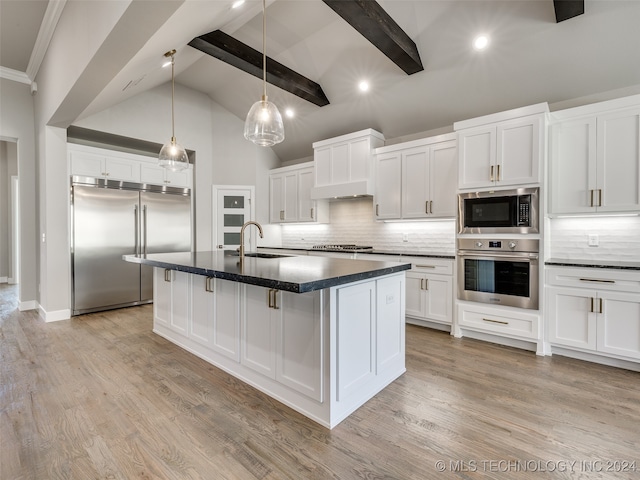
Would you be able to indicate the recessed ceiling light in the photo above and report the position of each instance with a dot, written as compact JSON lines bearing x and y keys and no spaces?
{"x":363,"y":86}
{"x":237,"y":3}
{"x":481,"y":42}
{"x":289,"y":113}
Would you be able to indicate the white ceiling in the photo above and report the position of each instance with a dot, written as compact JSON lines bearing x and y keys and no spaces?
{"x":531,"y":59}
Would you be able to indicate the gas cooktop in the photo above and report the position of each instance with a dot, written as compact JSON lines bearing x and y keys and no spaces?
{"x":343,"y":248}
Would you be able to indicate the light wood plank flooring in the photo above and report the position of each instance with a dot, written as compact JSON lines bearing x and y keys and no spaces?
{"x":101,"y":396}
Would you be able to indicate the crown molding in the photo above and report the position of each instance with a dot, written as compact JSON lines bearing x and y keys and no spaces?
{"x":14,"y":75}
{"x":47,"y":27}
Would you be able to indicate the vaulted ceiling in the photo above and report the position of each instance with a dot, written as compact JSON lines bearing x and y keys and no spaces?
{"x":531,"y":58}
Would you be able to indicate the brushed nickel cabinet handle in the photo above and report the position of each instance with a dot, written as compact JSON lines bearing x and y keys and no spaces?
{"x":275,"y":300}
{"x":498,"y":173}
{"x":281,"y":214}
{"x":422,"y":284}
{"x":426,"y":284}
{"x":377,"y":209}
{"x":596,"y":280}
{"x":167,"y":275}
{"x":491,"y":174}
{"x":599,"y":197}
{"x":425,"y":266}
{"x":269,"y":301}
{"x":207,"y":284}
{"x":490,"y":320}
{"x":312,"y":213}
{"x":430,"y":206}
{"x":591,"y":205}
{"x":426,"y":206}
{"x":591,"y":309}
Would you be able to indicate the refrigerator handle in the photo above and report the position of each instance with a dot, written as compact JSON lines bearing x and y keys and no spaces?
{"x":144,"y":231}
{"x":136,"y":250}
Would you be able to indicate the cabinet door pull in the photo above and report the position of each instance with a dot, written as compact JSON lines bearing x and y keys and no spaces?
{"x":426,"y":284}
{"x":207,"y":284}
{"x":599,"y":197}
{"x":498,"y":173}
{"x":600,"y":299}
{"x":491,"y":174}
{"x":425,"y":266}
{"x":591,"y":198}
{"x":596,"y":280}
{"x":311,"y":213}
{"x":490,"y":320}
{"x":275,"y":300}
{"x":422,"y":284}
{"x":269,"y":301}
{"x":377,"y":209}
{"x":426,"y":206}
{"x":281,"y":214}
{"x":591,"y":310}
{"x":167,"y":275}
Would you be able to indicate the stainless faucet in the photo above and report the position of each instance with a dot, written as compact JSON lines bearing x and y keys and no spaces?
{"x":241,"y":248}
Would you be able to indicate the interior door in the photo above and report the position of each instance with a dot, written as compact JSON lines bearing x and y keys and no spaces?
{"x":233,"y":207}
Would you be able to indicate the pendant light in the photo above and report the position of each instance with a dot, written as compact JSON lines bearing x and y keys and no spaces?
{"x":264,"y":125}
{"x":172,"y":156}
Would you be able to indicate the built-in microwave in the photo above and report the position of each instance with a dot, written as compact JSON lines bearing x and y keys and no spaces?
{"x":499,"y":211}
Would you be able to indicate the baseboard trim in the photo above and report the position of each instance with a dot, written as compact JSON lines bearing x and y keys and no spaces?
{"x":55,"y":315}
{"x":28,"y":305}
{"x":3,"y":280}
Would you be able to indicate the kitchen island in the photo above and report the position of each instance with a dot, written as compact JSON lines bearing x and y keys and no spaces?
{"x":321,"y":335}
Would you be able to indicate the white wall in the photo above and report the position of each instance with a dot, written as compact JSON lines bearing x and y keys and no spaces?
{"x":17,"y":124}
{"x":352,"y":221}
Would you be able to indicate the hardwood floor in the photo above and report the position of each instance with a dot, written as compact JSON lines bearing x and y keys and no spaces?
{"x":101,"y":396}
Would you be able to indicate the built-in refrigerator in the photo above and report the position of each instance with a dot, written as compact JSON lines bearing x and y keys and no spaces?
{"x":112,"y":219}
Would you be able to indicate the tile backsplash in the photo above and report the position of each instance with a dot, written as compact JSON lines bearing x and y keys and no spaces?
{"x":618,"y":238}
{"x":352,"y":221}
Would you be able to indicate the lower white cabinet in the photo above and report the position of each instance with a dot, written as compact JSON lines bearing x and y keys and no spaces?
{"x":429,"y":290}
{"x":171,"y":299}
{"x":594,"y":310}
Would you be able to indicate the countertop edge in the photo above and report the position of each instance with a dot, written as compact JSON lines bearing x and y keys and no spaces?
{"x":369,"y":252}
{"x":597,"y":264}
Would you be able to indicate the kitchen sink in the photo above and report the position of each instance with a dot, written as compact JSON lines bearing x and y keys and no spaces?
{"x":234,"y":253}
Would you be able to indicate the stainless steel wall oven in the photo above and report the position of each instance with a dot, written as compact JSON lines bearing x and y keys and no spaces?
{"x":503,"y":211}
{"x":499,"y":272}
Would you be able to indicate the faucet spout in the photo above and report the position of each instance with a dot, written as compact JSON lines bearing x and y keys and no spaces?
{"x":251,"y":222}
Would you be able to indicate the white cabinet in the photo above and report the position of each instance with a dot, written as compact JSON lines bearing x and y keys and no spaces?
{"x":594,"y":310}
{"x":502,"y":149}
{"x":345,"y":161}
{"x":290,"y":196}
{"x":281,"y":337}
{"x":417,"y":179}
{"x":595,"y":161}
{"x":99,"y":165}
{"x":429,"y":290}
{"x":171,"y":299}
{"x":157,"y":175}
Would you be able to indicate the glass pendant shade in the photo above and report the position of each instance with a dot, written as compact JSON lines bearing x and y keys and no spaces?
{"x":173,"y":156}
{"x":264,"y":125}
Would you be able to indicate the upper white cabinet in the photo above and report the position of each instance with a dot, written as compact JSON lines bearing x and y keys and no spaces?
{"x":290,"y":196}
{"x":502,"y":149}
{"x":595,"y":159}
{"x":417,"y":179}
{"x":113,"y":165}
{"x":157,"y":175}
{"x":344,"y":165}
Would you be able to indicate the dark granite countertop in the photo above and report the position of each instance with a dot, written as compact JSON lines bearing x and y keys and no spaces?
{"x":297,"y":274}
{"x":593,"y":264}
{"x":405,"y":253}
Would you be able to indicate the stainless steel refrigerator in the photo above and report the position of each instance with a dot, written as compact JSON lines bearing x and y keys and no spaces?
{"x":111,"y":219}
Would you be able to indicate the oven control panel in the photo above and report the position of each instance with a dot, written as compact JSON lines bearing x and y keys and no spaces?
{"x":487,"y":245}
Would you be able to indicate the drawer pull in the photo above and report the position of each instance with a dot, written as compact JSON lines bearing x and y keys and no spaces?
{"x":596,"y":280}
{"x":600,"y":304}
{"x":425,"y":266}
{"x":167,"y":275}
{"x":591,"y":310}
{"x":495,"y":321}
{"x":207,"y":284}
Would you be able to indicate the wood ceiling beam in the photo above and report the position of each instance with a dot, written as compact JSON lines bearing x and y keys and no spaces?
{"x":375,"y":24}
{"x":226,"y":48}
{"x":566,"y":9}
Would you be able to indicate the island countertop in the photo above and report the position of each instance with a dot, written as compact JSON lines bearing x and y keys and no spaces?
{"x":298,"y":274}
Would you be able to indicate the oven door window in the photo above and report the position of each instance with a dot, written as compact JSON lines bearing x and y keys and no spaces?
{"x":505,"y":277}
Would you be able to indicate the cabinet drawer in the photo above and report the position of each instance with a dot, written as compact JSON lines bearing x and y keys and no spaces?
{"x":487,"y":321}
{"x":594,"y":278}
{"x":438,"y":266}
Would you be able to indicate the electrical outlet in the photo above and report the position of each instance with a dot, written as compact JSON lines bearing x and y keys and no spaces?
{"x":405,"y":237}
{"x":594,"y":241}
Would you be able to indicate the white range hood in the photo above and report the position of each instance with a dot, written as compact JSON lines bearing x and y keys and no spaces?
{"x":344,"y":165}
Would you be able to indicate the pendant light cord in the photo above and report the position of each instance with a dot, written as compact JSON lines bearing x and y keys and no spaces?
{"x":173,"y":128}
{"x":264,"y":50}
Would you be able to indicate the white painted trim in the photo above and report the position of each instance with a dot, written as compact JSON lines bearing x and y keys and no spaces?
{"x":595,"y":108}
{"x":538,"y":108}
{"x":28,"y":305}
{"x":47,"y":27}
{"x":54,"y":316}
{"x":3,"y":280}
{"x":14,"y":75}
